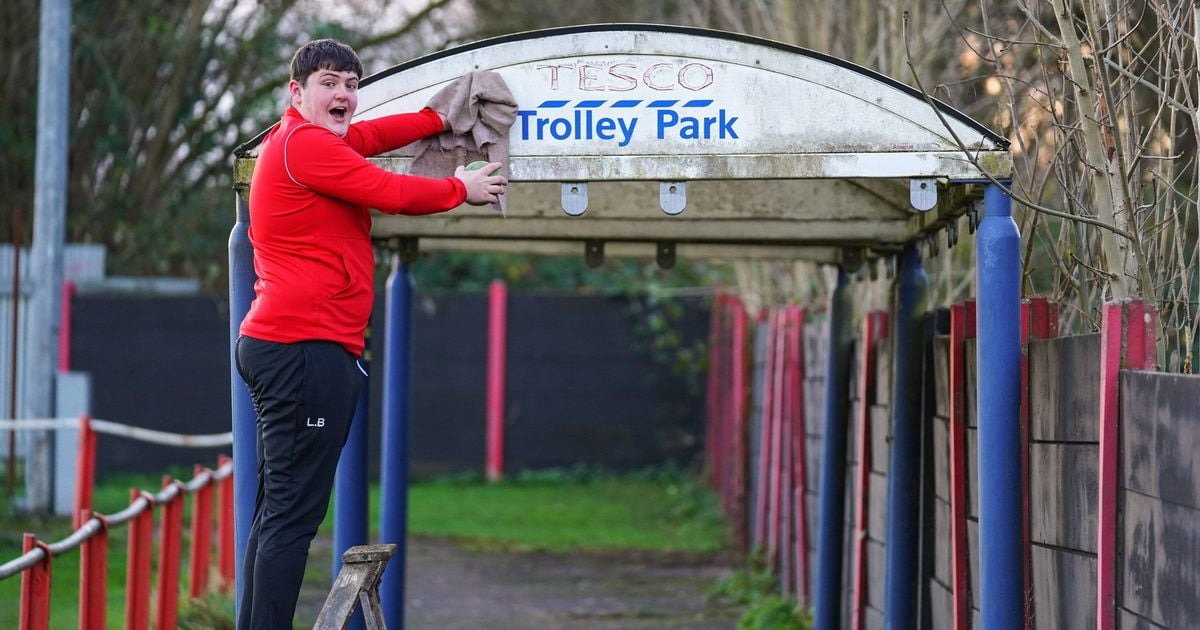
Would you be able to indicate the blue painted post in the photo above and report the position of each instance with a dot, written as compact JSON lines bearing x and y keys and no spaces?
{"x":827,"y":600}
{"x":397,"y":356}
{"x":245,"y":452}
{"x":904,"y":461}
{"x":350,"y":493}
{"x":998,"y":353}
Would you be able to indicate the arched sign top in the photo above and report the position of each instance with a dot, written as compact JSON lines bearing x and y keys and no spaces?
{"x":652,"y":102}
{"x":749,"y":40}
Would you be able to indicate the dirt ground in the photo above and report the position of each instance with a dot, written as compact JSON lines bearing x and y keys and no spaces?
{"x":450,"y":588}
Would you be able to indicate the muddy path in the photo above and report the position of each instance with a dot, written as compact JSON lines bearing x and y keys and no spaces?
{"x":450,"y":587}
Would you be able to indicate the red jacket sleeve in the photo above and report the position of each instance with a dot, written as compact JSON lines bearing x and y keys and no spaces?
{"x":317,"y":158}
{"x":372,"y":137}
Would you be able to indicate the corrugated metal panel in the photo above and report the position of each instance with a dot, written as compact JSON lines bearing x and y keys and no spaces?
{"x":81,"y":263}
{"x":6,"y":268}
{"x":6,"y":350}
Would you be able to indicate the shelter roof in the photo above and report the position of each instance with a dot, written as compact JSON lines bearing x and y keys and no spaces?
{"x":720,"y":144}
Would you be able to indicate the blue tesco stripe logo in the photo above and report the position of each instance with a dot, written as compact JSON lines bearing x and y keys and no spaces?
{"x":594,"y":104}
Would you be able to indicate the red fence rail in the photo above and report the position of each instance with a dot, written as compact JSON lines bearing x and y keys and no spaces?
{"x":91,"y":538}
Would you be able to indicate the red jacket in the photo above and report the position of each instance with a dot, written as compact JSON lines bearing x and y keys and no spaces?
{"x":310,"y":224}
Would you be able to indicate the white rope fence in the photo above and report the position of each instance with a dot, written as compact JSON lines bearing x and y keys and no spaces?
{"x":123,"y":430}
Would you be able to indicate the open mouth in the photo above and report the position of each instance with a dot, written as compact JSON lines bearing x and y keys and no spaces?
{"x":338,"y":113}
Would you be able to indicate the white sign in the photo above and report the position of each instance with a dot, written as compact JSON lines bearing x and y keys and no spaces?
{"x":656,"y":93}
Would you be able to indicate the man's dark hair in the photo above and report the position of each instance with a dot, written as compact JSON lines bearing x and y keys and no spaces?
{"x":324,"y":54}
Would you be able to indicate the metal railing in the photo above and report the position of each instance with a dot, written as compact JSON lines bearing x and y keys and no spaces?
{"x":91,"y":536}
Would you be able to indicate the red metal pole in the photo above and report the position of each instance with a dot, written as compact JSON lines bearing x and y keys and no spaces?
{"x":1110,"y":372}
{"x":1127,"y":339}
{"x":724,"y":416}
{"x":35,"y":588}
{"x":778,"y":439}
{"x":93,"y":575}
{"x":497,"y":331}
{"x":1039,"y":320}
{"x":962,"y":326}
{"x":64,"y":332}
{"x":137,"y":573}
{"x":737,"y":402}
{"x":764,"y":439}
{"x":200,"y":553}
{"x":1141,"y":323}
{"x":85,"y":471}
{"x":799,"y":453}
{"x":225,"y":567}
{"x":169,"y":553}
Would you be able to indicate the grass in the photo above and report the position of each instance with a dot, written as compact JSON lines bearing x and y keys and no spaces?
{"x":645,"y":512}
{"x":109,"y":497}
{"x":555,"y":511}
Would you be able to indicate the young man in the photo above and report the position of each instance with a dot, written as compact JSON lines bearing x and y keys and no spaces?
{"x":299,"y":344}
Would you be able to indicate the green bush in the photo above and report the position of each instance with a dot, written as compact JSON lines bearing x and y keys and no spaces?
{"x":772,"y":612}
{"x":757,"y":589}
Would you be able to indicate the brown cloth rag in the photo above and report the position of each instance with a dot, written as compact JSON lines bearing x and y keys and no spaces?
{"x":479,"y":111}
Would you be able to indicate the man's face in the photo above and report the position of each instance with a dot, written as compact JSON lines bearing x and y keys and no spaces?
{"x":328,"y":98}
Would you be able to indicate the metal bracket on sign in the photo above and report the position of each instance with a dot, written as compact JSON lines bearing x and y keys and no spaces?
{"x":922,"y":193}
{"x":952,"y":233}
{"x":408,"y":249}
{"x":973,"y":216}
{"x":672,"y":197}
{"x":575,"y":198}
{"x":852,"y":259}
{"x":593,"y":253}
{"x":664,"y":255}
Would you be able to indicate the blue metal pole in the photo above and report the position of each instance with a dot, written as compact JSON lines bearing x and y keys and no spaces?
{"x":904,"y":461}
{"x":245,"y":452}
{"x":350,"y":495}
{"x":396,"y":385}
{"x":827,"y":598}
{"x":998,"y":352}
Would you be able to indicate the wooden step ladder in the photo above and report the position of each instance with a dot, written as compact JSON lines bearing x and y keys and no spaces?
{"x":357,"y":582}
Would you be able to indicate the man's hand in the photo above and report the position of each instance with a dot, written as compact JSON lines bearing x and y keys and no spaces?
{"x":482,"y":186}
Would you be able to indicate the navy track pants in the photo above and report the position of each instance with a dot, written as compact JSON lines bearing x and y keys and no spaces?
{"x":304,"y":397}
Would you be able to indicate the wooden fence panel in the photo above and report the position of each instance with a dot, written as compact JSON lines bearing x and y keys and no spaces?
{"x":1130,"y":621}
{"x":1063,"y":495}
{"x":877,"y":513}
{"x":881,"y":437}
{"x":883,"y":370}
{"x":1159,"y":561}
{"x":1160,"y":443}
{"x":941,"y":458}
{"x":941,"y":370}
{"x":973,"y":559}
{"x":876,"y":557}
{"x":940,"y":604}
{"x":941,"y":547}
{"x":1064,"y":381}
{"x":1064,"y":413}
{"x":1064,"y":589}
